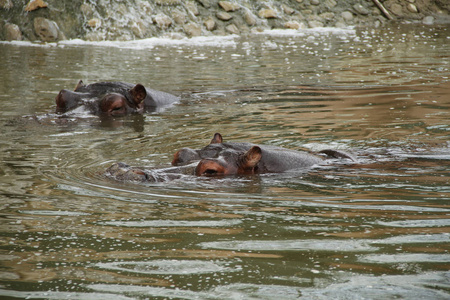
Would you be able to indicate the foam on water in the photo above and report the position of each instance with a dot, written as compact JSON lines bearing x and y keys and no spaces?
{"x":199,"y":41}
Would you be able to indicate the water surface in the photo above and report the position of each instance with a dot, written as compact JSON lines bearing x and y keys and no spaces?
{"x":375,"y":229}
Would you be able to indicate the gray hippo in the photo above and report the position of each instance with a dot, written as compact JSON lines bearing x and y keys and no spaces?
{"x":220,"y":158}
{"x":112,"y":98}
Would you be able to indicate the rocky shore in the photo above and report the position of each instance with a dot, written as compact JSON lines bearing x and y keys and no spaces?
{"x":54,"y":20}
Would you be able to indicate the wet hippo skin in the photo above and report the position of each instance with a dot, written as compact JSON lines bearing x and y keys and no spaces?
{"x":219,"y":158}
{"x":112,"y":98}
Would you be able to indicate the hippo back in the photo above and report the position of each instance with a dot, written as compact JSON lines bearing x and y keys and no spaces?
{"x":100,"y":88}
{"x":275,"y":160}
{"x":158,"y":98}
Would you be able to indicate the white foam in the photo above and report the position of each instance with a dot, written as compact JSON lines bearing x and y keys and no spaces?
{"x":29,"y":44}
{"x":199,"y":41}
{"x":211,"y":41}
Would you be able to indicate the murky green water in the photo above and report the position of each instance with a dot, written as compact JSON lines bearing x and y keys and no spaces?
{"x":376,"y":229}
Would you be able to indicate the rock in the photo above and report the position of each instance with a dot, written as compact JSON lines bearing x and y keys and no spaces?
{"x":192,"y":29}
{"x":229,"y":6}
{"x":330,"y":4}
{"x":87,"y":10}
{"x":327,"y":16}
{"x":232,"y":29}
{"x":315,"y":24}
{"x":294,"y":25}
{"x":168,"y":2}
{"x":94,"y":23}
{"x":179,"y":17}
{"x":224,"y":16}
{"x":361,"y":9}
{"x":315,"y":2}
{"x":94,"y":36}
{"x":347,"y":16}
{"x":396,"y":9}
{"x":35,"y":4}
{"x":411,"y":1}
{"x":12,"y":32}
{"x":267,"y":13}
{"x":205,"y":3}
{"x":162,"y":21}
{"x":249,"y":18}
{"x":340,"y":24}
{"x":6,"y":4}
{"x":287,"y":10}
{"x":192,"y":7}
{"x":428,"y":20}
{"x":46,"y":30}
{"x":210,"y":24}
{"x":139,"y":29}
{"x":376,"y":11}
{"x":412,"y":8}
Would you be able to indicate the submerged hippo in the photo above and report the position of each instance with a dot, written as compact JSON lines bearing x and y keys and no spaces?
{"x":112,"y":98}
{"x":219,"y":158}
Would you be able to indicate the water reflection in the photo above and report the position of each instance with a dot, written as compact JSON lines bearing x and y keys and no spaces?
{"x":377,"y":228}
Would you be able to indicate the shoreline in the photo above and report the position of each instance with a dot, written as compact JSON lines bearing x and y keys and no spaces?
{"x":37,"y":20}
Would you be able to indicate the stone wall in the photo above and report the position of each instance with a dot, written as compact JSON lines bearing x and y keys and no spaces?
{"x":53,"y":20}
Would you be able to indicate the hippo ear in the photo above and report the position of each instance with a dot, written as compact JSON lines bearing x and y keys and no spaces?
{"x":251,"y":158}
{"x":217,"y":139}
{"x":79,"y":85}
{"x":139,"y":93}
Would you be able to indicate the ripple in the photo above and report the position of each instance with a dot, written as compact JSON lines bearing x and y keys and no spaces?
{"x":292,"y":245}
{"x":59,"y":295}
{"x":423,"y":286}
{"x":53,"y":213}
{"x":416,"y":223}
{"x":173,"y":223}
{"x":415,"y":238}
{"x":233,"y":291}
{"x":405,"y":258}
{"x":166,"y":266}
{"x":381,"y":207}
{"x":312,"y":228}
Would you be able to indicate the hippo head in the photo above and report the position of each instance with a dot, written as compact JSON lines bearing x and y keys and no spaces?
{"x":111,"y":99}
{"x":220,"y":158}
{"x":230,"y":162}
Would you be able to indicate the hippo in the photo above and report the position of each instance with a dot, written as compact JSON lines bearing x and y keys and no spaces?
{"x":112,"y":98}
{"x":220,"y":158}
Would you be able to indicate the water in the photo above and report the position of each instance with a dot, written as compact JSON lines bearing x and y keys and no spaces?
{"x":375,"y":229}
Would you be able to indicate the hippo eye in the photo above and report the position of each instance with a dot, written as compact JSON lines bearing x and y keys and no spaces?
{"x":210,"y":172}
